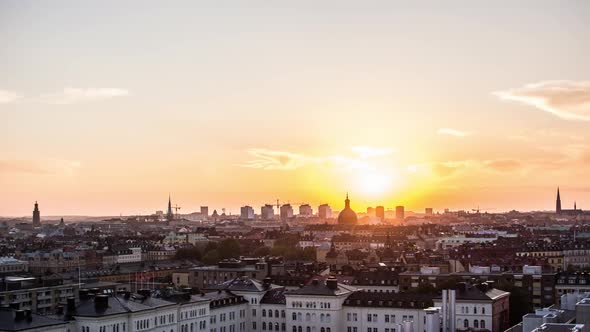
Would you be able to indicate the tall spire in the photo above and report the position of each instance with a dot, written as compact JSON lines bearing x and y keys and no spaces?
{"x":169,"y":214}
{"x":347,"y":202}
{"x":558,"y":202}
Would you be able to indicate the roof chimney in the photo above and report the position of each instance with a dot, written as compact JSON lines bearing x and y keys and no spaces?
{"x":266,"y":282}
{"x":332,"y":283}
{"x":101,"y":301}
{"x":19,"y":315}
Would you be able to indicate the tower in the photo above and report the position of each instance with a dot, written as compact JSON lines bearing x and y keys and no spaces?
{"x":36,"y":216}
{"x":558,"y":203}
{"x":169,"y":214}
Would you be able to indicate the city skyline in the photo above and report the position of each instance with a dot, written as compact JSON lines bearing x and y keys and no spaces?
{"x":108,"y":107}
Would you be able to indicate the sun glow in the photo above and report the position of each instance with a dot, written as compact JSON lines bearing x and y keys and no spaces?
{"x":374,"y":184}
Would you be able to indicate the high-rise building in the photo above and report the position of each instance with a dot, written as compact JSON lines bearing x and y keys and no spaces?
{"x":204,"y":211}
{"x":36,"y":216}
{"x":428,"y":211}
{"x":246,"y":213}
{"x":380,"y":212}
{"x":286,"y":212}
{"x":267,"y":212}
{"x":324,"y":211}
{"x":305,"y":210}
{"x":371,"y":211}
{"x":169,"y":214}
{"x":399,"y":212}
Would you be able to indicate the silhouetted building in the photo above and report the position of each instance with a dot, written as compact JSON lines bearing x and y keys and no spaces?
{"x":324,"y":211}
{"x":347,"y":216}
{"x":286,"y":212}
{"x":399,"y":212}
{"x":246,"y":213}
{"x":380,"y":213}
{"x":267,"y":212}
{"x":204,"y":211}
{"x":305,"y":210}
{"x":370,"y":211}
{"x":36,"y":216}
{"x":428,"y":211}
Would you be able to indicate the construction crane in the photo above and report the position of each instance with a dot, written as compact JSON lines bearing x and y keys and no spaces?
{"x":176,"y":208}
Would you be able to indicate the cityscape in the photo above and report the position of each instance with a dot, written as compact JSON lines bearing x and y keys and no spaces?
{"x":295,"y":166}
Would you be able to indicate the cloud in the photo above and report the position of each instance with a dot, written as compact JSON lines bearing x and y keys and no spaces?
{"x":368,"y":152}
{"x":502,"y":165}
{"x":275,"y":160}
{"x":569,"y":100}
{"x":285,"y":161}
{"x":448,"y":168}
{"x":452,"y":132}
{"x":52,"y":166}
{"x":7,"y":97}
{"x":76,"y":95}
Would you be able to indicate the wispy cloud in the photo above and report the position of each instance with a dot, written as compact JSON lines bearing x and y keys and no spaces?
{"x":76,"y":95}
{"x":452,"y":132}
{"x":285,"y":160}
{"x":502,"y":165}
{"x":275,"y":160}
{"x":7,"y":97}
{"x":369,"y":152}
{"x":51,"y":166}
{"x":568,"y":100}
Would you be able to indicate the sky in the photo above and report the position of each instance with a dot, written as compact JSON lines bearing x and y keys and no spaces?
{"x":107,"y":107}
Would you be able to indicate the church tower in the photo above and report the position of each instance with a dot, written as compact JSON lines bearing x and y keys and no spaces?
{"x":558,"y":203}
{"x":169,"y":214}
{"x":36,"y":216}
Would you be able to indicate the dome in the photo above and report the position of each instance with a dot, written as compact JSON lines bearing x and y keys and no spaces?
{"x":347,"y":216}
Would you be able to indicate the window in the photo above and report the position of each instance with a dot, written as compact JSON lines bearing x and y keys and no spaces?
{"x":483,"y":310}
{"x":465,"y":323}
{"x":475,"y":310}
{"x":482,"y":324}
{"x":475,"y":323}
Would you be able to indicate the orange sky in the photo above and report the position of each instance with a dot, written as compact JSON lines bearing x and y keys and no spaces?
{"x":108,"y":108}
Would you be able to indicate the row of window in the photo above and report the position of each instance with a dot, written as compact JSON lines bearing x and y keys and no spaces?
{"x":311,"y":329}
{"x":276,"y":313}
{"x":324,"y":318}
{"x":119,"y":327}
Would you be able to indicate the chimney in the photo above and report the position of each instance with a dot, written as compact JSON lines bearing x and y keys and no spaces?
{"x":83,"y":294}
{"x":266,"y":282}
{"x":19,"y":315}
{"x":145,"y":292}
{"x":28,"y":314}
{"x":71,"y":304}
{"x":332,"y":283}
{"x":101,"y":301}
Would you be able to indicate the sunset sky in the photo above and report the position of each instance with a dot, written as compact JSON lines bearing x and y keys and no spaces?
{"x":106,"y":107}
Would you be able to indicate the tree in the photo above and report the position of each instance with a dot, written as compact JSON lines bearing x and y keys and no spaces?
{"x":229,"y":248}
{"x":262,"y":251}
{"x":211,"y":257}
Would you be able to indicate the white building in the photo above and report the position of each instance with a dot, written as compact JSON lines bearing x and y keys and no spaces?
{"x":131,"y":255}
{"x":11,"y":265}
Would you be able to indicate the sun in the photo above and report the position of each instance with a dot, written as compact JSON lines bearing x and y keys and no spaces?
{"x":373,"y":183}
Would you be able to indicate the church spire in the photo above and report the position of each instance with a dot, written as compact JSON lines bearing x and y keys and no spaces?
{"x":169,"y":214}
{"x":558,"y":202}
{"x":347,"y":202}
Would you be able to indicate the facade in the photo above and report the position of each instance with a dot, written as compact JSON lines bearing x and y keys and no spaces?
{"x":39,"y":300}
{"x":246,"y":213}
{"x":399,"y":213}
{"x":305,"y":210}
{"x":131,"y":255}
{"x":480,"y":307}
{"x":380,"y":212}
{"x":324,"y":211}
{"x":11,"y":265}
{"x":207,"y":277}
{"x":286,"y":212}
{"x":267,"y":212}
